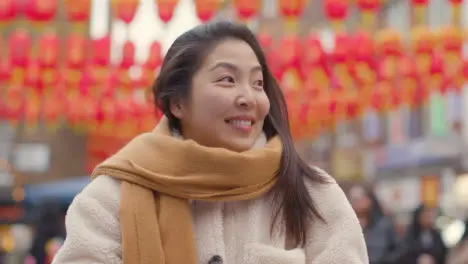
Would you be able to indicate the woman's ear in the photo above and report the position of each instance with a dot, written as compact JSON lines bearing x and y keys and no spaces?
{"x":177,"y":108}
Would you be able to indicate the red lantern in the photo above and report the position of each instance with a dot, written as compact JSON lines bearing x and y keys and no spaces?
{"x":206,"y":9}
{"x":126,"y":9}
{"x":8,"y":10}
{"x":291,"y":51}
{"x":155,"y":58}
{"x":101,"y":58}
{"x":33,"y":77}
{"x":389,"y":43}
{"x":369,"y":9}
{"x":78,"y":10}
{"x":76,"y":46}
{"x":336,"y":11}
{"x":41,"y":10}
{"x":14,"y":106}
{"x":20,"y":47}
{"x":291,"y":8}
{"x":247,"y":9}
{"x":409,"y":80}
{"x":166,"y":9}
{"x":5,"y":71}
{"x":313,"y":62}
{"x":128,"y":55}
{"x":49,"y":45}
{"x":364,"y":57}
{"x":265,"y":40}
{"x":101,"y":51}
{"x":53,"y":108}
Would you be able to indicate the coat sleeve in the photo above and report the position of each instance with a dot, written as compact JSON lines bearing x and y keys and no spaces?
{"x":93,"y":228}
{"x":340,"y":239}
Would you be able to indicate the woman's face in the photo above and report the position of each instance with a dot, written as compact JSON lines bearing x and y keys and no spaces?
{"x":227,"y":104}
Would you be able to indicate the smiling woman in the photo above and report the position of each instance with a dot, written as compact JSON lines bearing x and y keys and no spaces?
{"x":218,"y":180}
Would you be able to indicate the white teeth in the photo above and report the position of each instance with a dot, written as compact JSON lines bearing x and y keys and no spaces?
{"x":240,"y":122}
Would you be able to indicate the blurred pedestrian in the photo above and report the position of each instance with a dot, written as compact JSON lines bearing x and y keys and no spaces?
{"x":379,"y":232}
{"x":49,"y":226}
{"x":423,"y":240}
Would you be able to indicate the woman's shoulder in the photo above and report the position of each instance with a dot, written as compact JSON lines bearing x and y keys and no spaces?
{"x":104,"y":190}
{"x":326,"y":186}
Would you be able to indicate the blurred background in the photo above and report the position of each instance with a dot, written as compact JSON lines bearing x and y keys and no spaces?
{"x":377,"y":93}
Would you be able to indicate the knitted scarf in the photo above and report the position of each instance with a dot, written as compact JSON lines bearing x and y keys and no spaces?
{"x":160,"y":173}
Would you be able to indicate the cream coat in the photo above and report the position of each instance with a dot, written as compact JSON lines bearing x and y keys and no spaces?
{"x":238,"y":232}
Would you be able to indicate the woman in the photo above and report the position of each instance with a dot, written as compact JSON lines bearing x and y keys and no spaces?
{"x":424,"y":241}
{"x":218,"y":180}
{"x":379,"y":232}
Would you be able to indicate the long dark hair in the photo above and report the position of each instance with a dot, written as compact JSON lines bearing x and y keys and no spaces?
{"x":181,"y":62}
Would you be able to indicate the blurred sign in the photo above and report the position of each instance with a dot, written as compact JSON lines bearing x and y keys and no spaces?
{"x":418,"y":152}
{"x":31,"y":157}
{"x":399,"y":194}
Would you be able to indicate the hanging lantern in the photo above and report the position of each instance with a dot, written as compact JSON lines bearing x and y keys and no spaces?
{"x":437,"y":73}
{"x":40,"y":11}
{"x":166,"y":9}
{"x":363,"y":54}
{"x":206,"y":9}
{"x":5,"y":71}
{"x":32,"y":80}
{"x":408,"y":73}
{"x":291,"y":10}
{"x":32,"y":111}
{"x":390,"y":47}
{"x":313,"y":62}
{"x":419,"y":10}
{"x":369,"y":10}
{"x":291,"y":51}
{"x":336,"y":11}
{"x":125,"y":10}
{"x":101,"y":57}
{"x":128,"y":55}
{"x":49,"y":45}
{"x":340,"y":61}
{"x":20,"y":47}
{"x":265,"y":40}
{"x":423,"y":43}
{"x":8,"y":11}
{"x":78,"y":11}
{"x":247,"y":9}
{"x":14,"y":106}
{"x":452,"y":43}
{"x":75,"y":52}
{"x":53,"y":109}
{"x":19,"y":52}
{"x":101,"y":51}
{"x":155,"y":57}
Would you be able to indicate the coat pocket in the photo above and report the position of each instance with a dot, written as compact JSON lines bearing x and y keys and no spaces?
{"x":256,"y":253}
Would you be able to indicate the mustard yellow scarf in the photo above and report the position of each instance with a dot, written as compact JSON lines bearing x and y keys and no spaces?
{"x":161,"y":173}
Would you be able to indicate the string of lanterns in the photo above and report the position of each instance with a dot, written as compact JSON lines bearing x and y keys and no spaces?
{"x":47,"y":78}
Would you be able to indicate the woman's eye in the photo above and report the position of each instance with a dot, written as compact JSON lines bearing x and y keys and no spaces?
{"x":228,"y":79}
{"x":258,"y":83}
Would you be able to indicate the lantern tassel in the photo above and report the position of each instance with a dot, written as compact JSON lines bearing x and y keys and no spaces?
{"x":456,"y":14}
